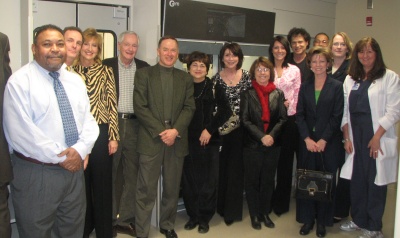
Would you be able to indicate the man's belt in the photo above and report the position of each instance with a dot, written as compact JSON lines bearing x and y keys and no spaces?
{"x":32,"y":160}
{"x":127,"y":115}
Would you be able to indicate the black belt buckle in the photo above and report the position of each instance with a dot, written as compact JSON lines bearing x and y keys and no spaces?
{"x":127,"y":115}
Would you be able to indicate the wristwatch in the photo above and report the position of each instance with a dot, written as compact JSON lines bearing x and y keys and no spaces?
{"x":345,"y":139}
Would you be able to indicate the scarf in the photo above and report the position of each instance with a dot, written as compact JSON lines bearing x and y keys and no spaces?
{"x":263,"y":94}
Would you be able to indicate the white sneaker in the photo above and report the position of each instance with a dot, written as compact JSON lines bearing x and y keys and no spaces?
{"x":371,"y":234}
{"x":349,"y":226}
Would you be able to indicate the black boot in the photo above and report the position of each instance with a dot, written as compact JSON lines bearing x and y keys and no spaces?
{"x":267,"y":221}
{"x":321,"y":231}
{"x":306,"y":228}
{"x":255,"y":222}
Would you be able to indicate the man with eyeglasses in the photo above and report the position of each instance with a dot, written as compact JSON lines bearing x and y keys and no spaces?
{"x":126,"y":159}
{"x":321,"y":39}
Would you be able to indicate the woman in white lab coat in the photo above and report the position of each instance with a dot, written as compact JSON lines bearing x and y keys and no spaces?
{"x":372,"y":108}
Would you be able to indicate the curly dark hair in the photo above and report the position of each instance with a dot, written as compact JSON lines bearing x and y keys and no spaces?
{"x":299,"y":31}
{"x":198,"y":56}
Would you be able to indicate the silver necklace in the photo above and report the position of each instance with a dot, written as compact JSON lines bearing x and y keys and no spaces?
{"x":201,"y":93}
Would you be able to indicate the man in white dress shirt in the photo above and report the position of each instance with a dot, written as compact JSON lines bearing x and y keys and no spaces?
{"x":48,"y":188}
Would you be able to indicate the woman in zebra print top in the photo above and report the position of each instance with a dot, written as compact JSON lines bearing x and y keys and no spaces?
{"x":100,"y":84}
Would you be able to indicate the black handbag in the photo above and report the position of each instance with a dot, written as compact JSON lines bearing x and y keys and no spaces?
{"x":314,"y":185}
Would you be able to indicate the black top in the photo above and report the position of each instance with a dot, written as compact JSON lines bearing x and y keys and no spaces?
{"x":303,"y":66}
{"x":206,"y":102}
{"x":341,"y":73}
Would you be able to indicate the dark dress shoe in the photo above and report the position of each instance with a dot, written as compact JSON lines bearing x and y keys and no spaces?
{"x":191,"y":224}
{"x":229,"y":222}
{"x":267,"y":221}
{"x":306,"y":228}
{"x":255,"y":222}
{"x":128,"y":230}
{"x":203,"y":228}
{"x":168,"y":233}
{"x":321,"y":231}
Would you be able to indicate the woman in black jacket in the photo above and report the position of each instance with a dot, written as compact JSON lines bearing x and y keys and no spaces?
{"x":262,"y":114}
{"x":200,"y":168}
{"x":319,"y":114}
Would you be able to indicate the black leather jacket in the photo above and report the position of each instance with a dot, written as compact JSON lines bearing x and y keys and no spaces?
{"x":251,"y":113}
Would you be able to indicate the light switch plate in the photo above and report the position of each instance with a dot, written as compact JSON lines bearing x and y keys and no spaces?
{"x":120,"y":12}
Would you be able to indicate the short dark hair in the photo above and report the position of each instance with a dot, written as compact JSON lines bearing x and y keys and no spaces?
{"x":40,"y":29}
{"x":264,"y":62}
{"x":356,"y":69}
{"x":321,"y":33}
{"x":286,"y":44}
{"x":198,"y":56}
{"x":236,"y":51}
{"x":167,"y":37}
{"x":299,"y":31}
{"x":73,"y":28}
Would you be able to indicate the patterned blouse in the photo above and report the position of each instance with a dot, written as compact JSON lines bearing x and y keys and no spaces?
{"x":233,"y":92}
{"x":289,"y":83}
{"x":100,"y":85}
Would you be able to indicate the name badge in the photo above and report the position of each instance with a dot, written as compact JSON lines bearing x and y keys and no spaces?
{"x":356,"y":86}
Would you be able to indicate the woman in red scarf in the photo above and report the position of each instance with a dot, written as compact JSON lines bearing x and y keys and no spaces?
{"x":263,"y":114}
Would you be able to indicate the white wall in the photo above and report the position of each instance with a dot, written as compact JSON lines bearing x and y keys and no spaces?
{"x":146,"y":20}
{"x":385,"y":28}
{"x":10,"y":25}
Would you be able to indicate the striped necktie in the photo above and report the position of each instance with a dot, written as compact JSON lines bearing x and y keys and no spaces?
{"x":67,"y":115}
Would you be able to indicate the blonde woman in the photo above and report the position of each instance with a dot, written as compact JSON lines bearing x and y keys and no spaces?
{"x":100,"y":85}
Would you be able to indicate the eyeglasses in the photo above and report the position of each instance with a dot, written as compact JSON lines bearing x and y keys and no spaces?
{"x":262,"y":70}
{"x":201,"y":66}
{"x":342,"y":44}
{"x":321,"y":41}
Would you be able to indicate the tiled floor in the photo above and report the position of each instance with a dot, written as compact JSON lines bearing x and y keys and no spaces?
{"x":285,"y":225}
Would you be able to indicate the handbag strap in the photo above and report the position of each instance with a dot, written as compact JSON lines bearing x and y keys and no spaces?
{"x":322,"y":158}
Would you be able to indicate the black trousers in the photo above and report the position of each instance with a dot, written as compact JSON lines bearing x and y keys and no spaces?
{"x":342,"y":199}
{"x":230,"y":186}
{"x":98,"y":180}
{"x":200,"y":181}
{"x":259,"y":175}
{"x":284,"y":173}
